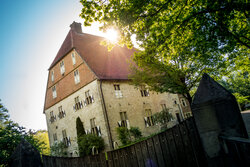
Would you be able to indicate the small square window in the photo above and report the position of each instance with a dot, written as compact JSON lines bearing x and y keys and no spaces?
{"x":144,"y":91}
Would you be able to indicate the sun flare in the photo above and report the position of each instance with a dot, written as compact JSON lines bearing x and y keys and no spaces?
{"x":112,"y":35}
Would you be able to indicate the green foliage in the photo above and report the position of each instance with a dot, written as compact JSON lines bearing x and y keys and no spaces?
{"x":128,"y":136}
{"x":43,"y":137}
{"x":88,"y":141}
{"x":135,"y":133}
{"x":10,"y":136}
{"x":58,"y":149}
{"x":179,"y":40}
{"x":4,"y":116}
{"x":162,"y":118}
{"x":238,"y":83}
{"x":123,"y":135}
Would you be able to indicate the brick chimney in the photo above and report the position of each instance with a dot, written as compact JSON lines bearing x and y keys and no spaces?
{"x":76,"y":27}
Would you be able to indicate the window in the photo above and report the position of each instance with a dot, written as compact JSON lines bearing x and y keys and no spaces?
{"x":52,"y":117}
{"x":62,"y":68}
{"x":149,"y":118}
{"x":61,"y":113}
{"x":144,"y":91}
{"x":77,"y":77}
{"x":73,"y":58}
{"x":55,"y":137}
{"x":88,"y":98}
{"x":163,"y":106}
{"x":118,"y":93}
{"x":66,"y":140}
{"x":52,"y":76}
{"x":124,"y":120}
{"x":183,"y":102}
{"x":54,"y":92}
{"x":78,"y":104}
{"x":95,"y":129}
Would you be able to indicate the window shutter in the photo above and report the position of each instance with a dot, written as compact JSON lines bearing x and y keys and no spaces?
{"x":85,"y":103}
{"x":92,"y":98}
{"x":74,"y":107}
{"x":81,"y":106}
{"x":146,"y":121}
{"x":99,"y":131}
{"x":119,"y":123}
{"x":128,"y":125}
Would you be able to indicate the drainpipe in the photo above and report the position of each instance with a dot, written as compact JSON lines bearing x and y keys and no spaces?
{"x":106,"y":116}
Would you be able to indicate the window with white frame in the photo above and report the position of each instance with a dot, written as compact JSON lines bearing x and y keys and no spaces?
{"x":149,"y":118}
{"x":78,"y":104}
{"x":88,"y":98}
{"x":54,"y":91}
{"x":62,"y":68}
{"x":52,"y":76}
{"x":52,"y":117}
{"x":118,"y":93}
{"x":77,"y":77}
{"x":124,"y":122}
{"x":61,"y":113}
{"x":144,"y":91}
{"x":73,"y":58}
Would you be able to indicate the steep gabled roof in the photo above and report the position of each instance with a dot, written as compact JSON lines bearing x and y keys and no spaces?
{"x":105,"y":64}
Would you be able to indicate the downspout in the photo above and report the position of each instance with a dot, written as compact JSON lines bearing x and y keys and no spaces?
{"x":106,"y":116}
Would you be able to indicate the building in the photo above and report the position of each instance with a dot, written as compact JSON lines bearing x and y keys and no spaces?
{"x":88,"y":81}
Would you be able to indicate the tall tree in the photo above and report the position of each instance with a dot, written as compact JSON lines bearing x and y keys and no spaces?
{"x":79,"y":127}
{"x":179,"y":40}
{"x":10,"y":136}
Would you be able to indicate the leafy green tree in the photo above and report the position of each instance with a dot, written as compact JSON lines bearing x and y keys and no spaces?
{"x":4,"y":116}
{"x":162,"y":118}
{"x":238,"y":83}
{"x":43,"y":137}
{"x":123,"y":135}
{"x":179,"y":40}
{"x":10,"y":136}
{"x":58,"y":149}
{"x":88,"y":141}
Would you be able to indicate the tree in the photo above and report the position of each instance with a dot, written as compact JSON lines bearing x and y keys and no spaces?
{"x":79,"y":127}
{"x":162,"y":118}
{"x":88,"y":142}
{"x":10,"y":136}
{"x":238,"y":83}
{"x":179,"y":40}
{"x":4,"y":116}
{"x":43,"y":137}
{"x":58,"y":149}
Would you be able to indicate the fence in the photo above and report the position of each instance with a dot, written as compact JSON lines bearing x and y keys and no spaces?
{"x":236,"y":151}
{"x":178,"y":146}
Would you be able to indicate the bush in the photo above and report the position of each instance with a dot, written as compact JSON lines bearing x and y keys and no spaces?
{"x":162,"y":118}
{"x":135,"y":132}
{"x":124,"y":135}
{"x":87,"y":142}
{"x":58,"y":149}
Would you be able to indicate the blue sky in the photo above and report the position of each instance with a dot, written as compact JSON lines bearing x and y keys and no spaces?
{"x":31,"y":33}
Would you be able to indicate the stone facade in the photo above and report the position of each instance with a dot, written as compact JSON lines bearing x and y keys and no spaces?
{"x":102,"y":95}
